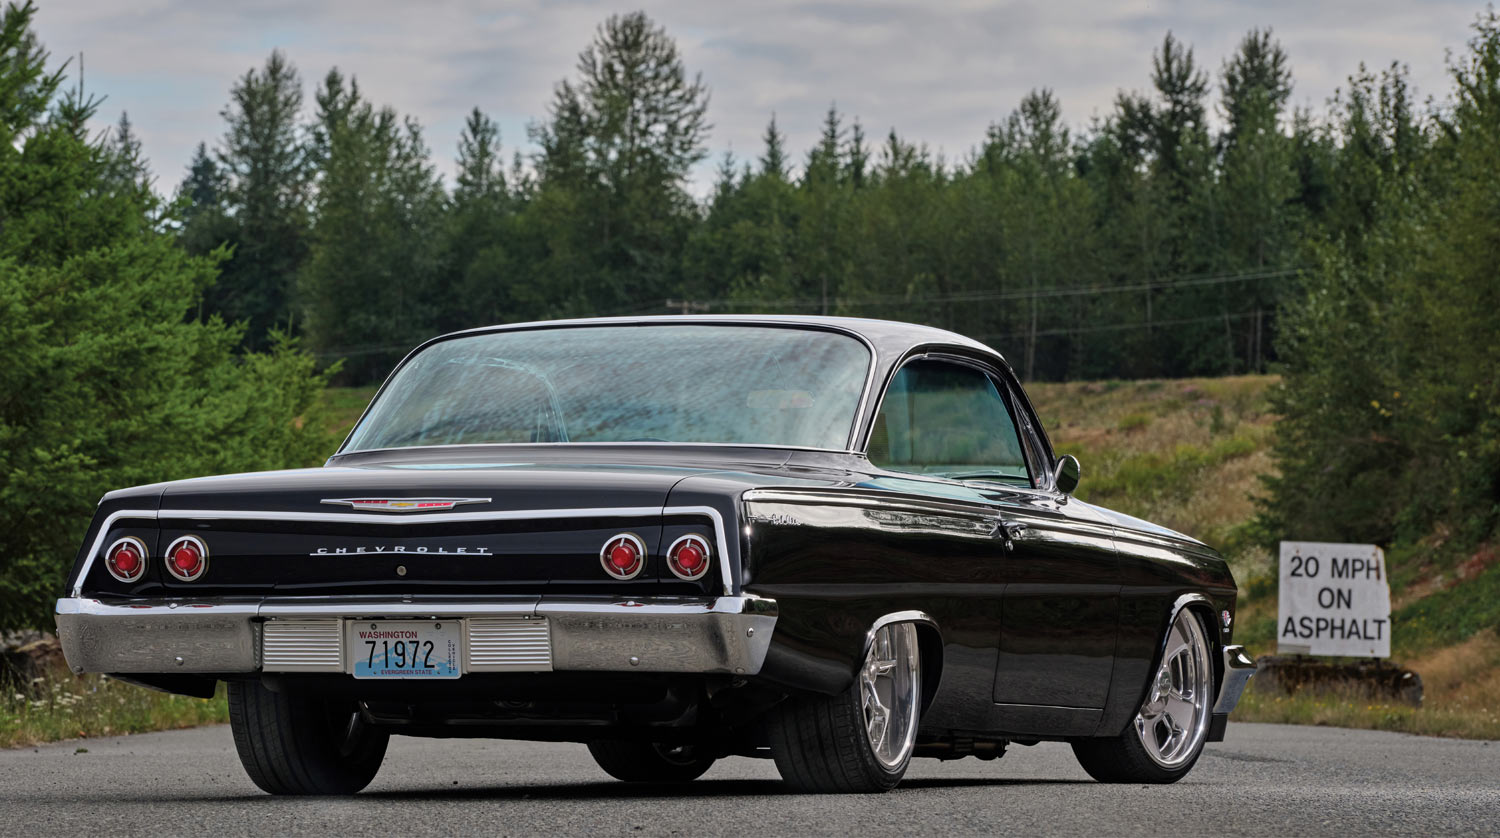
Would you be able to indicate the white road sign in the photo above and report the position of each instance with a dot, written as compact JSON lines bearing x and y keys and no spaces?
{"x":1335,"y":600}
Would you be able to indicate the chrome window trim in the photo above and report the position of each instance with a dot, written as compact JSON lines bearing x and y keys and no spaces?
{"x":955,"y":355}
{"x":586,"y":445}
{"x":431,"y":518}
{"x":854,"y":427}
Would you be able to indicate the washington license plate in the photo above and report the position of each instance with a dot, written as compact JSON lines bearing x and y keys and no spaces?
{"x":406,"y":648}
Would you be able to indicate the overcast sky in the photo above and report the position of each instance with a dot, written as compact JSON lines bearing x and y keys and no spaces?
{"x":939,"y":72}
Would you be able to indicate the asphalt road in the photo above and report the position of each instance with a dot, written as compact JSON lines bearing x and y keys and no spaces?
{"x":1265,"y":780}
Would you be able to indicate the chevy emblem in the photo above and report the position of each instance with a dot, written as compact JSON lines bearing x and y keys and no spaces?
{"x":402,"y":504}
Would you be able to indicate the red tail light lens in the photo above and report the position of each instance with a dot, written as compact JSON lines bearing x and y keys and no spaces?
{"x":623,"y":556}
{"x":126,"y":559}
{"x":689,"y":557}
{"x":187,"y":558}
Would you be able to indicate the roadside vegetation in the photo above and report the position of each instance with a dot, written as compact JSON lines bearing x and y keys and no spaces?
{"x":1194,"y":455}
{"x":60,"y":706}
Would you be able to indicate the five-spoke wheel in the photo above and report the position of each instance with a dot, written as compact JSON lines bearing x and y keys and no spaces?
{"x":1168,"y":732}
{"x":860,"y":740}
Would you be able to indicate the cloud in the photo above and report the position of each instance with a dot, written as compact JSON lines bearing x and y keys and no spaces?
{"x":937,"y":72}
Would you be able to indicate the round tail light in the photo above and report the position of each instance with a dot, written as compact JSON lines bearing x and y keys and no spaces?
{"x":187,"y":558}
{"x":623,"y":556}
{"x":126,"y":559}
{"x":689,"y":557}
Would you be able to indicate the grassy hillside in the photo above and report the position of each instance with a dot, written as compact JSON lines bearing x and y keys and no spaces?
{"x":1189,"y":454}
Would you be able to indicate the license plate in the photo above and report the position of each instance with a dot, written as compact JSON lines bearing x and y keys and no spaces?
{"x":405,"y":648}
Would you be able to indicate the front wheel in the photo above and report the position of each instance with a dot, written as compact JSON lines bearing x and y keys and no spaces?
{"x":860,"y":740}
{"x":1168,"y":732}
{"x":302,"y":744}
{"x":650,"y":762}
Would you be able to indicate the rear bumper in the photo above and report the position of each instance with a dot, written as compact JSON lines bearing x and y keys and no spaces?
{"x":728,"y":634}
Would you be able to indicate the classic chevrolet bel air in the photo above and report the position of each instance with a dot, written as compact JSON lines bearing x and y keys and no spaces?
{"x":836,"y":543}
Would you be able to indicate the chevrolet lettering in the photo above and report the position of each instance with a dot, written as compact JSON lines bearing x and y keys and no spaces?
{"x":838,"y":544}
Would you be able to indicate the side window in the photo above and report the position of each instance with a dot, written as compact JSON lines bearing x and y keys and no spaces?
{"x":948,"y":420}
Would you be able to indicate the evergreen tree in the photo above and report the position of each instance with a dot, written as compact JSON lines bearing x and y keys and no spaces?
{"x":109,"y":382}
{"x":370,"y":285}
{"x":263,"y":158}
{"x":479,"y":226}
{"x":773,"y":157}
{"x":613,"y":212}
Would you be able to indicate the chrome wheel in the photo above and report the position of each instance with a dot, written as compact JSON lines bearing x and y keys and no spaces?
{"x":890,"y":686}
{"x":1173,"y":721}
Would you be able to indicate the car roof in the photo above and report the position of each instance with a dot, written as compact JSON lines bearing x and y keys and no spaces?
{"x":888,"y":337}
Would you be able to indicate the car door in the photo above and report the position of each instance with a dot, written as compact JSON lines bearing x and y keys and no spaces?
{"x":1062,"y":602}
{"x":954,"y":420}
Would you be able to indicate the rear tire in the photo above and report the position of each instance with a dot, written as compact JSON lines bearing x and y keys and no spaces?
{"x":1166,"y":737}
{"x":302,"y":744}
{"x":649,"y":762}
{"x":862,"y":739}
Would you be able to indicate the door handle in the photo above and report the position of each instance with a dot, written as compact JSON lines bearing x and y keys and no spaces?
{"x":1013,"y":532}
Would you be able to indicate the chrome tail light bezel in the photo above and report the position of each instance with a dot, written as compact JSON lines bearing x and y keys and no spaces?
{"x":140,"y":568}
{"x":176,"y":572}
{"x":703,"y":546}
{"x":640,"y":553}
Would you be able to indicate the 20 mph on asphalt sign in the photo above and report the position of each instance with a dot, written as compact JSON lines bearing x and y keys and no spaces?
{"x":1334,"y":600}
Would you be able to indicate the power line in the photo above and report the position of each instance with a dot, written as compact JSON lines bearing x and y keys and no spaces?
{"x":995,"y":296}
{"x":1121,"y":327}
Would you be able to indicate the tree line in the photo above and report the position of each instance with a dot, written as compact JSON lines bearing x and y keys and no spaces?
{"x":1149,"y":244}
{"x":1199,"y":227}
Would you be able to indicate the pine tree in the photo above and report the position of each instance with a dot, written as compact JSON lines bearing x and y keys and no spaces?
{"x":370,"y":287}
{"x":109,"y":381}
{"x":858,"y":155}
{"x":478,"y":233}
{"x":773,"y":156}
{"x":612,"y":212}
{"x":263,"y":158}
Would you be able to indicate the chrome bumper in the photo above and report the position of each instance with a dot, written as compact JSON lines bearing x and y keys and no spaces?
{"x":728,"y":634}
{"x":1238,"y":667}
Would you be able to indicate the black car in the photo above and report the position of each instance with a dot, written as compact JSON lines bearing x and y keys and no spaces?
{"x":837,"y":543}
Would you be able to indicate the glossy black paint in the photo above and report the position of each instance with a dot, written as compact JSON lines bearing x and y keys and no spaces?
{"x":1046,"y":632}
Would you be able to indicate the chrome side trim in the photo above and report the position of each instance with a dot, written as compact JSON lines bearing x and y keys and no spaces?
{"x":428,"y":518}
{"x":431,"y":518}
{"x":891,"y":501}
{"x":727,"y":635}
{"x":1238,"y":668}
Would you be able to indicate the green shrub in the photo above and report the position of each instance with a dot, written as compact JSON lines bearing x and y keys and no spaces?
{"x":108,"y":379}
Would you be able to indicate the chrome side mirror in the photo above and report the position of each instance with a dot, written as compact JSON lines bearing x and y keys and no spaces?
{"x":1065,"y":474}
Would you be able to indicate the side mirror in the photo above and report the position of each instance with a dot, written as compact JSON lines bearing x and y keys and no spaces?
{"x":1065,"y":474}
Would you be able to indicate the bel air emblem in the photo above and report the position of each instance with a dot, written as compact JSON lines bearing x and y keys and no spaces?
{"x":402,"y":504}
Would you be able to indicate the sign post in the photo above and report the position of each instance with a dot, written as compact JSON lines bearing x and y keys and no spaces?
{"x":1335,"y":599}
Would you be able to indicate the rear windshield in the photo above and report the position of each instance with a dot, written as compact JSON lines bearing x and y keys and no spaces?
{"x":756,"y":385}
